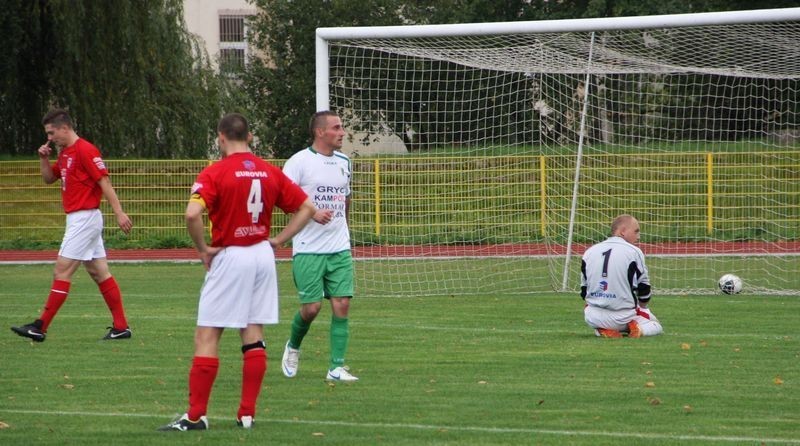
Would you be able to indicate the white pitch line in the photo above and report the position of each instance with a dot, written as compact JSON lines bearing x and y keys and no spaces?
{"x":531,"y":331}
{"x":453,"y":257}
{"x":415,"y":426}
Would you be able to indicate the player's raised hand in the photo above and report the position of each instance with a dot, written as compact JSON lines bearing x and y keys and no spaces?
{"x":45,"y":150}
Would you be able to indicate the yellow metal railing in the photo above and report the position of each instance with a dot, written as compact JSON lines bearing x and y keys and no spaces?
{"x":710,"y":193}
{"x":476,"y":199}
{"x":377,"y":198}
{"x":543,"y":193}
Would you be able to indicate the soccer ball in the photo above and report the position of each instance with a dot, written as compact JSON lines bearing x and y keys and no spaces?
{"x":730,"y":284}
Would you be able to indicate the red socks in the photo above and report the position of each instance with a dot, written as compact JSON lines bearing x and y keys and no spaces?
{"x":110,"y":291}
{"x":201,"y":379}
{"x":108,"y":288}
{"x":204,"y":372}
{"x":58,"y":294}
{"x":254,"y":366}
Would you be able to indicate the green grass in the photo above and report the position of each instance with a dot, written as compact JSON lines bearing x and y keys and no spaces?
{"x":436,"y":370}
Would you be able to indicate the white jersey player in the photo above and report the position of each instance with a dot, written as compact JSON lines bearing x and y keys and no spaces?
{"x":616,"y":286}
{"x":322,"y":264}
{"x":325,"y":178}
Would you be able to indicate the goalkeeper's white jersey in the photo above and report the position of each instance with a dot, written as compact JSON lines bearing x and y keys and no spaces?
{"x":611,"y":271}
{"x":326,"y":180}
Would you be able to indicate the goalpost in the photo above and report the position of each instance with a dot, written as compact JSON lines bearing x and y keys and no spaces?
{"x":525,"y":139}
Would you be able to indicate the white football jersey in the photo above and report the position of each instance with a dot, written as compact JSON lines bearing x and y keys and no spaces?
{"x":612,"y":271}
{"x":326,"y":181}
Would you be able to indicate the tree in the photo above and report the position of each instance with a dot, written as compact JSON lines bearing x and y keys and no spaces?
{"x":127,"y":70}
{"x":281,"y":86}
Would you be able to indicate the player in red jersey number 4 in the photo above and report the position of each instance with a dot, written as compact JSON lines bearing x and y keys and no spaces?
{"x":241,"y":287}
{"x":84,"y":180}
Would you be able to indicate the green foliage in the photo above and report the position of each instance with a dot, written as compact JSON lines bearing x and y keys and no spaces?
{"x":281,"y":86}
{"x":127,"y":70}
{"x":285,"y":33}
{"x":139,"y":85}
{"x":463,"y":11}
{"x":637,"y":7}
{"x":572,"y":9}
{"x":484,"y":370}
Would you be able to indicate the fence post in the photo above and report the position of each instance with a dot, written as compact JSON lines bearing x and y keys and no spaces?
{"x":542,"y":192}
{"x":377,"y":197}
{"x":710,"y":192}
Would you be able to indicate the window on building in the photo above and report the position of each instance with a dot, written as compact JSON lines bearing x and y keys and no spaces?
{"x":232,"y":43}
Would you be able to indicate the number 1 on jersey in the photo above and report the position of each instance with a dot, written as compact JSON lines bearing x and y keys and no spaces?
{"x":254,"y":204}
{"x":606,"y":255}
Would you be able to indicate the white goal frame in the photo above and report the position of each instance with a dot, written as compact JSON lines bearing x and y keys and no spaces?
{"x":326,"y":35}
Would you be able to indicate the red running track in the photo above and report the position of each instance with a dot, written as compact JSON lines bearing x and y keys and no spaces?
{"x":441,"y":251}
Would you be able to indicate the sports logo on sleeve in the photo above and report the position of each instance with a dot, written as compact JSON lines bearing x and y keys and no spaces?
{"x":99,"y":163}
{"x":196,"y":187}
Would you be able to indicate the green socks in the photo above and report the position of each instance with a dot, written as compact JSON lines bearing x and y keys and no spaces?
{"x":340,"y":334}
{"x":299,"y":330}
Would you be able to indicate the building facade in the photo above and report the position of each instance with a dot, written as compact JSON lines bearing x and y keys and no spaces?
{"x":221,"y":25}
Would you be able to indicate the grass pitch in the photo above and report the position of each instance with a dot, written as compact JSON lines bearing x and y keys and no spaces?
{"x":436,"y":370}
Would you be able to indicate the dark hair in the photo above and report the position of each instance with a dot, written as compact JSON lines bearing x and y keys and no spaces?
{"x":316,"y":121}
{"x":234,"y":127}
{"x":58,"y":117}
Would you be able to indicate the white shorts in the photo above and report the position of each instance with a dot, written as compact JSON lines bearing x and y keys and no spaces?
{"x":83,"y":238}
{"x":597,"y":317}
{"x":241,"y":288}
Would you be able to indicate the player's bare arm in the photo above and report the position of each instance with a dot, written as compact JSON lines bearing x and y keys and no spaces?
{"x":44,"y":163}
{"x":110,"y":194}
{"x":197,"y":231}
{"x":296,"y":223}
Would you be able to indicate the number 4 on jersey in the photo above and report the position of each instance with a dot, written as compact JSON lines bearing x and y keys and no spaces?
{"x":254,"y":204}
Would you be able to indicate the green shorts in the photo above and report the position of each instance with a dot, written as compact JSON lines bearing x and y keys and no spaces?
{"x":323,"y":275}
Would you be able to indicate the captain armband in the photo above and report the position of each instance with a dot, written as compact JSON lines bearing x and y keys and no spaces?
{"x":196,"y":198}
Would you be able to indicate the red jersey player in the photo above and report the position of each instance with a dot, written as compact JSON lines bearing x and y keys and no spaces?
{"x":84,"y":180}
{"x":241,"y":287}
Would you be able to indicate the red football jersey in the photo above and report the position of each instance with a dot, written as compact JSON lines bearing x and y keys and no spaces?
{"x":80,"y":167}
{"x":240,"y":192}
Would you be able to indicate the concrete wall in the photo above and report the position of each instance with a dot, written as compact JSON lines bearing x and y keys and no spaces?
{"x":202,"y":19}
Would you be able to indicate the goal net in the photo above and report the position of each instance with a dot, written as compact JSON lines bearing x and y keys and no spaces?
{"x":487,"y":157}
